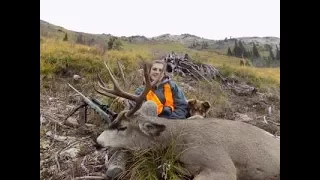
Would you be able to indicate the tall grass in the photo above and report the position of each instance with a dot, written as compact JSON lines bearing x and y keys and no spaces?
{"x":157,"y":163}
{"x":57,"y":56}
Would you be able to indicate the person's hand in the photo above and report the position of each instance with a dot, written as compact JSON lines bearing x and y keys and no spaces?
{"x":166,"y":111}
{"x":120,"y":100}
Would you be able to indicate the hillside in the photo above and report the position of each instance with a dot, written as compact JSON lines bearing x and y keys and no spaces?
{"x":187,"y":40}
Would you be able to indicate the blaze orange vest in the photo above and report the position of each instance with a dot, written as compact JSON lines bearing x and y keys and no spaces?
{"x":168,"y":98}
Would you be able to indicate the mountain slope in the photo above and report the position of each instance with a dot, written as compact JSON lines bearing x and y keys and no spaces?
{"x":47,"y":29}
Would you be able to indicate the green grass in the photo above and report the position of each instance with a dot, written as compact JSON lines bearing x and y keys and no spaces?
{"x":259,"y":77}
{"x":56,"y":55}
{"x":156,"y":163}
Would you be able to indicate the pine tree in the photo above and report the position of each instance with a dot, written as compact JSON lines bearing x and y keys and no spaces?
{"x":271,"y":55}
{"x":229,"y":52}
{"x":236,"y":49}
{"x":65,"y":37}
{"x":242,"y":50}
{"x":255,"y":52}
{"x":277,"y":53}
{"x":204,"y":45}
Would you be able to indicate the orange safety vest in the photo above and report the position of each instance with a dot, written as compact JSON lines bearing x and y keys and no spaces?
{"x":168,"y":98}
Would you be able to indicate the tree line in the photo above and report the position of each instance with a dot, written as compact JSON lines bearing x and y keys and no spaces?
{"x":240,"y":51}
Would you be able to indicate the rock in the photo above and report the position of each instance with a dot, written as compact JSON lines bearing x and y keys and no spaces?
{"x":74,"y":99}
{"x":72,"y":152}
{"x":76,"y":77}
{"x":242,"y":117}
{"x":269,"y":111}
{"x":72,"y":121}
{"x":42,"y":120}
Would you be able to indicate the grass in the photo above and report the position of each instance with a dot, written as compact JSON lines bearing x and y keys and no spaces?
{"x":156,"y":163}
{"x":259,"y":77}
{"x":57,"y":55}
{"x":208,"y":92}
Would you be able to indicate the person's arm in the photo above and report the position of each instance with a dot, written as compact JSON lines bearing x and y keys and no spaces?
{"x":180,"y":104}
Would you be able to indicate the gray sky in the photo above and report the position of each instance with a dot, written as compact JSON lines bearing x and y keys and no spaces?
{"x":213,"y":19}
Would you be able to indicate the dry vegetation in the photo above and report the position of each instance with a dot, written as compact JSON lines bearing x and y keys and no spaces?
{"x":67,"y":152}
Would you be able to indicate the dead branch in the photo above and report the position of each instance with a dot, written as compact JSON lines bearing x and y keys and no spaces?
{"x":59,"y":138}
{"x":272,"y":122}
{"x":50,"y":118}
{"x":83,"y":166}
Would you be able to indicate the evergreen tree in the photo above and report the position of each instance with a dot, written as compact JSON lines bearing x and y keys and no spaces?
{"x":92,"y":42}
{"x":236,"y":49}
{"x":229,"y":52}
{"x":255,"y":52}
{"x":271,"y":55}
{"x":242,"y":50}
{"x":65,"y":37}
{"x":204,"y":45}
{"x":277,"y":53}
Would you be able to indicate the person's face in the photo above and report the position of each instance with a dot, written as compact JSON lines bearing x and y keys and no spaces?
{"x":155,"y":71}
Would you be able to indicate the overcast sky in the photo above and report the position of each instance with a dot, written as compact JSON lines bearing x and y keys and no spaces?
{"x":212,"y":19}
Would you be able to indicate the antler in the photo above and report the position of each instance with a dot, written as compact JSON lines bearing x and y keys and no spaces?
{"x":117,"y":91}
{"x":125,"y":82}
{"x":101,"y":83}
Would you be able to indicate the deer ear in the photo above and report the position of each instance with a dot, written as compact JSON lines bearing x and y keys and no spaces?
{"x":151,"y":128}
{"x":206,"y":105}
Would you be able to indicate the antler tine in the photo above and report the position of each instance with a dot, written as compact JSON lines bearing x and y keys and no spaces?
{"x":122,"y":76}
{"x":102,"y":84}
{"x":116,"y":89}
{"x":101,"y":81}
{"x":147,"y":88}
{"x":104,"y":93}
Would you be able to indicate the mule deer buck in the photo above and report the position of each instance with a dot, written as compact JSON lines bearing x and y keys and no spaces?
{"x":215,"y":149}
